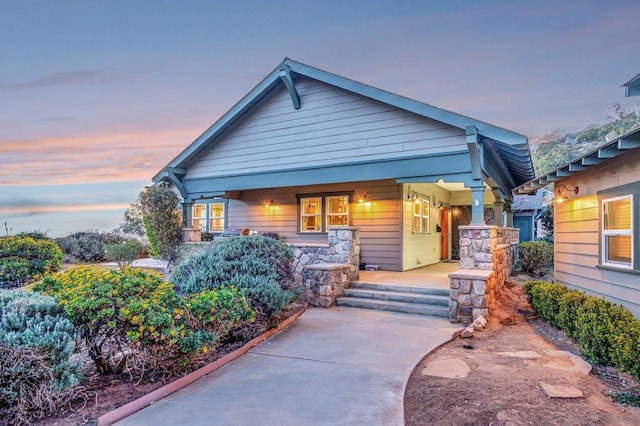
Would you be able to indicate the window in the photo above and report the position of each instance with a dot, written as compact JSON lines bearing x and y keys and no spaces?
{"x":617,"y":231}
{"x":319,"y":212}
{"x":420,"y":214}
{"x":209,"y":217}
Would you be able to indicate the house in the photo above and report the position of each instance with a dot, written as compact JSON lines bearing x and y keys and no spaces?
{"x":527,"y":211}
{"x":307,"y":151}
{"x":597,"y":221}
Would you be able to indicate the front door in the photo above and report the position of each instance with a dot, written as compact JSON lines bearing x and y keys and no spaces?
{"x":444,"y":234}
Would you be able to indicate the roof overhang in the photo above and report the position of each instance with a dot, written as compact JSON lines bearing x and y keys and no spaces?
{"x":616,"y":147}
{"x":632,"y":87}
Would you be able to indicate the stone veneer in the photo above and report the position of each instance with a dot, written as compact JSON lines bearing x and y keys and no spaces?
{"x":486,"y":260}
{"x":324,"y":270}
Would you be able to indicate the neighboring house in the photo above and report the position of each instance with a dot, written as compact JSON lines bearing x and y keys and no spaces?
{"x":527,"y":211}
{"x":597,"y":224}
{"x":632,"y":87}
{"x":307,"y":150}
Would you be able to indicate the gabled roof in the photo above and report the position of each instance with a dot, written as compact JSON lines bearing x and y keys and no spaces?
{"x":512,"y":148}
{"x":616,"y":147}
{"x":632,"y":87}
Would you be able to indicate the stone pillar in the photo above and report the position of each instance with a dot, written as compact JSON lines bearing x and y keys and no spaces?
{"x":477,"y":205}
{"x":344,"y":246}
{"x":477,"y":244}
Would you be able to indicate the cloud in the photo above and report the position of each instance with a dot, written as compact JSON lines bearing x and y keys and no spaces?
{"x":41,"y":209}
{"x":65,"y":78}
{"x":114,"y":157}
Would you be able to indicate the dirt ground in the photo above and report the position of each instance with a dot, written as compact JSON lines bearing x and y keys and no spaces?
{"x":502,"y":390}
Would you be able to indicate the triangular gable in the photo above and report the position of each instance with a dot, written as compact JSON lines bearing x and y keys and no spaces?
{"x":512,"y":147}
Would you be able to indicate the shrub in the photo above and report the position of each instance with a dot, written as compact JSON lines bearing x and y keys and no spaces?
{"x":607,"y":333}
{"x":124,"y":253}
{"x":598,"y":323}
{"x":258,"y":265}
{"x":567,"y":318}
{"x":115,"y":308}
{"x":88,"y":246}
{"x":36,"y":344}
{"x":162,"y":220}
{"x":545,"y":299}
{"x":536,"y":256}
{"x":24,"y":259}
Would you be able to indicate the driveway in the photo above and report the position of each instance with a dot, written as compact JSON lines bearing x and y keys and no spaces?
{"x":338,"y":366}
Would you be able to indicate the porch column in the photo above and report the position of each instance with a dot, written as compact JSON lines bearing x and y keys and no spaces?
{"x":187,"y":214}
{"x":498,"y":205}
{"x":477,"y":205}
{"x":507,"y":208}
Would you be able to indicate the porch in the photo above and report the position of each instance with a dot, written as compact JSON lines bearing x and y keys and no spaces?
{"x":430,"y":276}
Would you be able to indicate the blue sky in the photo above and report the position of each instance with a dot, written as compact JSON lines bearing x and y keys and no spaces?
{"x":96,"y":97}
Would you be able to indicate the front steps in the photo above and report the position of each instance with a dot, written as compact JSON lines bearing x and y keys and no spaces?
{"x":397,"y":298}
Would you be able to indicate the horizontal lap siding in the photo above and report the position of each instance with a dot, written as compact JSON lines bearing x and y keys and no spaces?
{"x":577,"y":234}
{"x":332,"y":126}
{"x":378,"y":221}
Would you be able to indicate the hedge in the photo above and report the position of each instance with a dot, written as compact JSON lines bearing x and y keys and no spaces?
{"x":608,"y":334}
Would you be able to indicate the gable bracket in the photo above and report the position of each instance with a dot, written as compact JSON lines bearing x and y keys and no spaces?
{"x":475,"y":151}
{"x":285,"y":76}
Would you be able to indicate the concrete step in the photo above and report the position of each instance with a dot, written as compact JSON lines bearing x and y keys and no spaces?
{"x":397,"y":296}
{"x":386,"y":305}
{"x":399,"y":288}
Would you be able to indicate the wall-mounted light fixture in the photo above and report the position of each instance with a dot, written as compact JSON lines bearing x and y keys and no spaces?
{"x":268,"y":203}
{"x":361,"y":197}
{"x":560,"y":197}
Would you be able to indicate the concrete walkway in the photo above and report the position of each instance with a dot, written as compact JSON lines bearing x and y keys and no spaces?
{"x":338,"y":366}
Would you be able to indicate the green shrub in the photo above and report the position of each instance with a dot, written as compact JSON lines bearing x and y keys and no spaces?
{"x":545,"y":299}
{"x":599,"y":322}
{"x":258,"y":265}
{"x":536,"y":256}
{"x":625,"y":351}
{"x":36,"y":345}
{"x":88,"y":246}
{"x":162,"y":219}
{"x":567,"y":319}
{"x":124,"y":253}
{"x":24,"y":259}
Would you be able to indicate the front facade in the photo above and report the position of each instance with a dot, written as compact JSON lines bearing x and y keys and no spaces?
{"x":306,"y":151}
{"x":597,"y":221}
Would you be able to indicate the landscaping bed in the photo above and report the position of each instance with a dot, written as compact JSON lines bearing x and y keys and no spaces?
{"x":501,"y":390}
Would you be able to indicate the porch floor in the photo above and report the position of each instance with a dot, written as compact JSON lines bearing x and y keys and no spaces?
{"x":430,"y":276}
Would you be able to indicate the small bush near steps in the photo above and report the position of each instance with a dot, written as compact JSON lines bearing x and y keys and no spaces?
{"x":37,"y":374}
{"x":608,"y":334}
{"x":258,"y":265}
{"x":535,"y":256}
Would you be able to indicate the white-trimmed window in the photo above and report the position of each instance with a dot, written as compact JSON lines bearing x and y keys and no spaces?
{"x":617,"y":231}
{"x":311,"y":214}
{"x":420,"y":215}
{"x":209,"y":217}
{"x":216,"y":217}
{"x":338,"y":210}
{"x":319,"y":212}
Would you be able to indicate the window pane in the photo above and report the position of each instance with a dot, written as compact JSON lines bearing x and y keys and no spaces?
{"x":311,"y":214}
{"x":199,"y":223}
{"x":416,"y":207}
{"x":617,"y":214}
{"x":337,"y":220}
{"x":337,"y":205}
{"x":416,"y":224}
{"x":618,"y":248}
{"x":216,"y":217}
{"x":199,"y":216}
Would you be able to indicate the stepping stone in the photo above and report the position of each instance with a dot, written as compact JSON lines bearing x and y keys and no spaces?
{"x":559,"y":391}
{"x":521,"y":354}
{"x":450,"y":368}
{"x":562,"y":358}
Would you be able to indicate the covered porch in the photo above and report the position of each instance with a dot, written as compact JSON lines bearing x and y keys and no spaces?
{"x":431,"y":276}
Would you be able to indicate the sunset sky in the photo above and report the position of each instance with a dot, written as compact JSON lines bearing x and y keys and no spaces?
{"x":96,"y":97}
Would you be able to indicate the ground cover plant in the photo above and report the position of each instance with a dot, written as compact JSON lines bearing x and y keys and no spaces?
{"x":37,"y":371}
{"x":24,"y":259}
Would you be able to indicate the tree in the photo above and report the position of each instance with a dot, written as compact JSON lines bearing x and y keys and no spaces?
{"x":132,"y":221}
{"x":162,"y":220}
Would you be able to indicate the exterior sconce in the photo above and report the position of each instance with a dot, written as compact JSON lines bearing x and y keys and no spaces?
{"x":362,"y":198}
{"x":560,"y":197}
{"x":268,"y":203}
